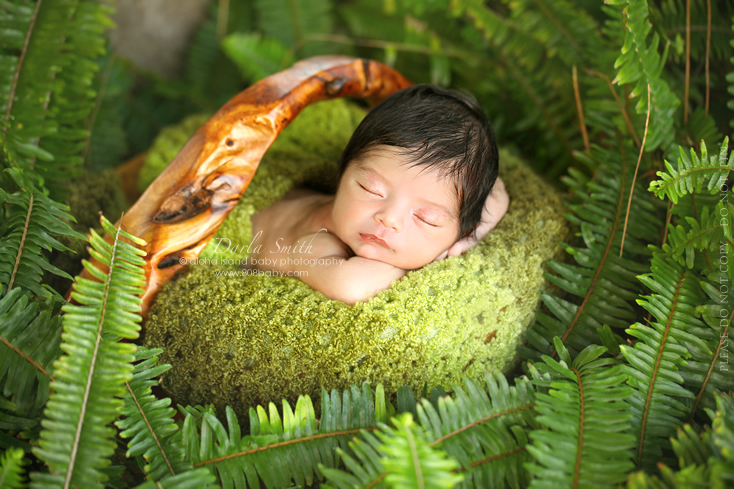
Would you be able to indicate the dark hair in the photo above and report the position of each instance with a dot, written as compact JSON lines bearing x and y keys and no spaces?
{"x":441,"y":129}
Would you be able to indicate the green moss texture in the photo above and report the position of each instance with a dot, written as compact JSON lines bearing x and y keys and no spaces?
{"x":241,"y":340}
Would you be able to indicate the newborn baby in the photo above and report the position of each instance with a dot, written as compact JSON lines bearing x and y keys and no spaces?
{"x":417,"y":182}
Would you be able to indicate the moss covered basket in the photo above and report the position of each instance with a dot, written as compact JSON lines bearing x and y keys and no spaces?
{"x":241,"y":340}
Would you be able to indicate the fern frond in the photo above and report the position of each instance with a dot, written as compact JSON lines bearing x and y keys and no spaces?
{"x":561,"y":27}
{"x":11,"y":469}
{"x":708,"y":371}
{"x":706,"y":458}
{"x":707,"y":235}
{"x":653,"y":361}
{"x":545,"y":98}
{"x":730,"y":78}
{"x":29,"y":341}
{"x":673,"y":24}
{"x":702,"y":127}
{"x":641,"y":63}
{"x":297,"y":440}
{"x":409,"y":459}
{"x":485,"y":434}
{"x":86,"y":398}
{"x":290,"y":21}
{"x":256,"y":57}
{"x":723,"y":438}
{"x":149,"y":421}
{"x":693,"y":173}
{"x":193,"y":479}
{"x":51,"y":99}
{"x":603,"y":282}
{"x":30,"y":223}
{"x":108,"y":144}
{"x":585,"y":442}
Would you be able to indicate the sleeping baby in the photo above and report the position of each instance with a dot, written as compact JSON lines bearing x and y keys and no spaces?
{"x":417,"y":182}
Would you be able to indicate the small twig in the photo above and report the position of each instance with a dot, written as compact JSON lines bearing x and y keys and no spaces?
{"x":634,"y":177}
{"x":619,"y":104}
{"x":580,"y":109}
{"x":667,"y":222}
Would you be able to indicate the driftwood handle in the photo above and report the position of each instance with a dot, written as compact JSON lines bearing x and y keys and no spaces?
{"x":183,"y":208}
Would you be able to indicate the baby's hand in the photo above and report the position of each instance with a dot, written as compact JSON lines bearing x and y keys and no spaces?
{"x":495,"y":208}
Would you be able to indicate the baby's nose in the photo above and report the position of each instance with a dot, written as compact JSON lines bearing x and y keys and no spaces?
{"x":390,"y":220}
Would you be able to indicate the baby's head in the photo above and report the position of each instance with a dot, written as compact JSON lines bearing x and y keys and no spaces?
{"x":433,"y":148}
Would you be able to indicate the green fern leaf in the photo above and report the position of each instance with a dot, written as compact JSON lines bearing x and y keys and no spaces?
{"x":256,"y":57}
{"x":545,"y":96}
{"x":657,"y":402}
{"x":673,"y":23}
{"x":693,"y":173}
{"x":708,"y":371}
{"x":193,"y":479}
{"x":11,"y":469}
{"x":76,"y":439}
{"x":49,"y":101}
{"x":291,"y":21}
{"x":30,"y":336}
{"x":409,"y":459}
{"x":707,"y":235}
{"x":730,"y":79}
{"x":297,"y":441}
{"x":149,"y":421}
{"x":723,"y":439}
{"x":604,"y":282}
{"x":485,"y":434}
{"x":706,"y":458}
{"x":30,"y":223}
{"x":641,"y":63}
{"x":585,"y":442}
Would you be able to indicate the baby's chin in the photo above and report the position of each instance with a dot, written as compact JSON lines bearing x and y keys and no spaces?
{"x":396,"y":259}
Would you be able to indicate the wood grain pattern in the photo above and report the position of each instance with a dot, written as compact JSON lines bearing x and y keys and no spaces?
{"x":183,"y":208}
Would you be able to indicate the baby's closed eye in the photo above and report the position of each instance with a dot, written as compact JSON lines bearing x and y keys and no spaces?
{"x":426,"y":220}
{"x":370,"y":190}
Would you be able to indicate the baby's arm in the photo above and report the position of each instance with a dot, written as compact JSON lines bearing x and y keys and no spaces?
{"x":495,"y":207}
{"x":338,"y":276}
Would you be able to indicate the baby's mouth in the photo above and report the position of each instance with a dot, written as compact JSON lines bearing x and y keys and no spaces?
{"x":371,"y":238}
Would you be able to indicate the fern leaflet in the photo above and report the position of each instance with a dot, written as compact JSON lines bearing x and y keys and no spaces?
{"x":76,"y":439}
{"x":29,"y":341}
{"x":693,"y":173}
{"x":585,"y":442}
{"x":654,"y":360}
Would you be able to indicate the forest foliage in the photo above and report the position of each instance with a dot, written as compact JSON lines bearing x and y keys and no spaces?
{"x":625,"y":378}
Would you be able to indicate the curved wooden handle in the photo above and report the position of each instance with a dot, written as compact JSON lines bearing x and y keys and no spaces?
{"x":182,"y":209}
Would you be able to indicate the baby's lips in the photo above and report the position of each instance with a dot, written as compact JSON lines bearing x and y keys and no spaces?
{"x":371,"y":238}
